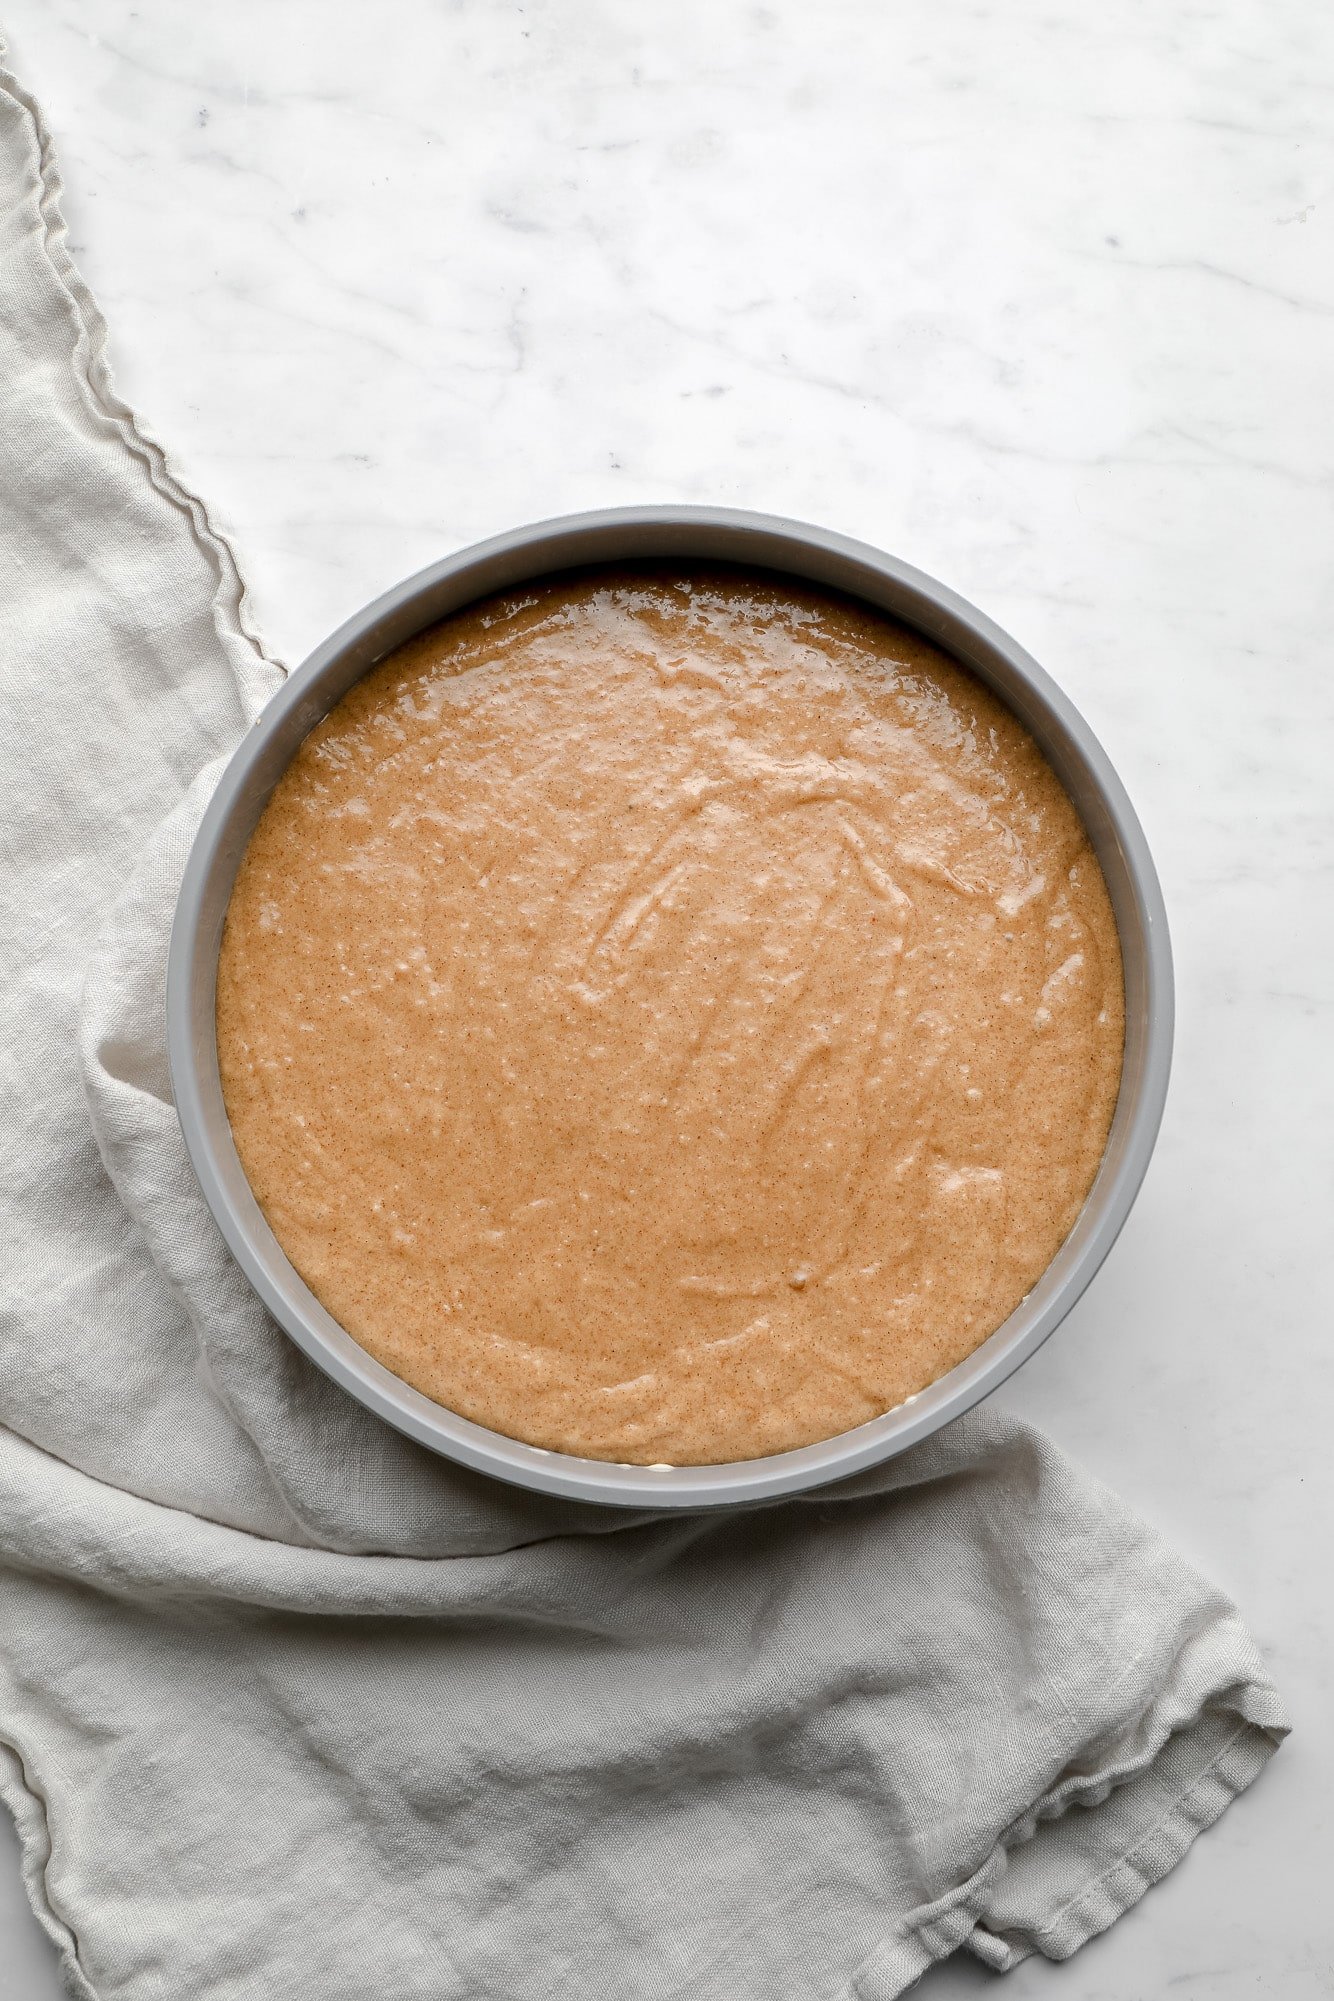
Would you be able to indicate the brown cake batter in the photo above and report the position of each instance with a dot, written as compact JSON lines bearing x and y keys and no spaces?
{"x":670,"y":1016}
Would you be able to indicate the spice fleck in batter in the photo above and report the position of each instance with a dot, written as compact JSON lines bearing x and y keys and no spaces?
{"x":670,"y":1015}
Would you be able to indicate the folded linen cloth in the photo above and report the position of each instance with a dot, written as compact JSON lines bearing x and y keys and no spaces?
{"x":290,"y":1707}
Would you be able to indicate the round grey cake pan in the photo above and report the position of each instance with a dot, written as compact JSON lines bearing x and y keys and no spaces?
{"x":685,"y":534}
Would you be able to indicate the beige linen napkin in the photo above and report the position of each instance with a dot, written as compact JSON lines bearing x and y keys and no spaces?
{"x":291,"y":1708}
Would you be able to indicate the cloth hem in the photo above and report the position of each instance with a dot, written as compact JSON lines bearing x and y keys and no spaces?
{"x":1119,"y":1888}
{"x":28,"y":1809}
{"x":91,"y":370}
{"x":958,"y":1919}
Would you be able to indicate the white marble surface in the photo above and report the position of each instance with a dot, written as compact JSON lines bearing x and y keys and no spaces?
{"x":1038,"y":295}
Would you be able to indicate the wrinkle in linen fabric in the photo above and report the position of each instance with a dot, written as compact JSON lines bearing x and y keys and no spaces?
{"x":777,"y":1753}
{"x":288,"y":1706}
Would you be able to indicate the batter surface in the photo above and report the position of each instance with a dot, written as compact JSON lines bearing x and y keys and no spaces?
{"x":670,"y":1016}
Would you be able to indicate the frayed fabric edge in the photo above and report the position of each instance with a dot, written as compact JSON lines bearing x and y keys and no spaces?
{"x":233,"y":615}
{"x":28,"y":1809}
